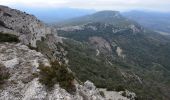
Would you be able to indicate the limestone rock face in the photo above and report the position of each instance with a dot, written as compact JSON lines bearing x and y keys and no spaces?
{"x":101,"y":44}
{"x":27,"y":27}
{"x":19,"y":64}
{"x":32,"y":32}
{"x":23,"y":85}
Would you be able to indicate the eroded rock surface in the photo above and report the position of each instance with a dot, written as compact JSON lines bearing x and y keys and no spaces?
{"x":27,"y":27}
{"x":31,"y":32}
{"x":22,"y":84}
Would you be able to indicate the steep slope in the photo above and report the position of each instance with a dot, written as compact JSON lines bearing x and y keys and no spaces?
{"x":27,"y":27}
{"x":22,"y":67}
{"x":117,"y":53}
{"x":42,"y":73}
{"x":31,"y":32}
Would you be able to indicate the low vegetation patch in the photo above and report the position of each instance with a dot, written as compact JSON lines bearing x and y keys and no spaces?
{"x":87,"y":66}
{"x":4,"y":75}
{"x":57,"y":73}
{"x":8,"y":38}
{"x":83,"y":61}
{"x":102,"y":93}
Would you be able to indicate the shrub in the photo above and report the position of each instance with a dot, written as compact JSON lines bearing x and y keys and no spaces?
{"x":102,"y":93}
{"x":4,"y":74}
{"x":124,"y":94}
{"x":57,"y":73}
{"x":8,"y":38}
{"x":119,"y":88}
{"x":110,"y":88}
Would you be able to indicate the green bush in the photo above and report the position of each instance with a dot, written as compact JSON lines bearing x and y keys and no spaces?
{"x":57,"y":73}
{"x":8,"y":38}
{"x":119,"y":88}
{"x":124,"y":94}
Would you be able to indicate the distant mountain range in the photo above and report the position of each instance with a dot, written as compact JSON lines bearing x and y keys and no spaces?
{"x":113,"y":51}
{"x":110,"y":17}
{"x":118,"y":53}
{"x":158,"y":21}
{"x":51,"y":15}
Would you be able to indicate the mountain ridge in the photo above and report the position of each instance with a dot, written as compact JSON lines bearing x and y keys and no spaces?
{"x":33,"y":63}
{"x":100,"y":16}
{"x":135,"y":55}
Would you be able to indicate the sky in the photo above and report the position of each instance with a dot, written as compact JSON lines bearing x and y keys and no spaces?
{"x":119,"y":5}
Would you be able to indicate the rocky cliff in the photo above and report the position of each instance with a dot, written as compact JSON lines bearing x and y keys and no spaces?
{"x":20,"y":66}
{"x":27,"y":27}
{"x":31,"y":32}
{"x":27,"y":45}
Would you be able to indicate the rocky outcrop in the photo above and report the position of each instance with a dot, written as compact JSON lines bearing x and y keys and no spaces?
{"x":32,"y":32}
{"x":22,"y":84}
{"x":122,"y":95}
{"x":27,"y":27}
{"x":101,"y":44}
{"x":119,"y":52}
{"x":19,"y":65}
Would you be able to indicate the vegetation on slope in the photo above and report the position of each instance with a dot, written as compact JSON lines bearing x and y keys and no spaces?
{"x":57,"y":73}
{"x":146,"y":54}
{"x":8,"y":38}
{"x":4,"y":75}
{"x":87,"y":66}
{"x":145,"y":69}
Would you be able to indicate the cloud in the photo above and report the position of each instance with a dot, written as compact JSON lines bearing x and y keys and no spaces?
{"x":161,"y":5}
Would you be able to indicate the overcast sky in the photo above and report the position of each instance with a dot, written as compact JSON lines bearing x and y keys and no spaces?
{"x":120,"y":5}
